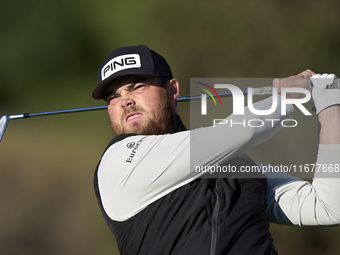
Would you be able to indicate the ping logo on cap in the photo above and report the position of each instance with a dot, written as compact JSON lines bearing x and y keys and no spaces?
{"x":120,"y":63}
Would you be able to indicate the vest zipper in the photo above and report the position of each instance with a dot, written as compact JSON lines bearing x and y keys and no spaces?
{"x":214,"y":223}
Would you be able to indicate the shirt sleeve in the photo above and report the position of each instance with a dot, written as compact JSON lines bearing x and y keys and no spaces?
{"x":292,"y":200}
{"x":138,"y":170}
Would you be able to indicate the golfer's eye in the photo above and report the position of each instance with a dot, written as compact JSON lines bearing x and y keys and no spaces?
{"x":109,"y":98}
{"x":139,"y":86}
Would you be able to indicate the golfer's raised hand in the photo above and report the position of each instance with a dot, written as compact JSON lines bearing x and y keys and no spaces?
{"x":300,"y":80}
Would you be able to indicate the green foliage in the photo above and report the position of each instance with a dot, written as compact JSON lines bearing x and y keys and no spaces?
{"x":50,"y":52}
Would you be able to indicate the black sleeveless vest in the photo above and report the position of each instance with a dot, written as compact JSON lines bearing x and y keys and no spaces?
{"x":205,"y":217}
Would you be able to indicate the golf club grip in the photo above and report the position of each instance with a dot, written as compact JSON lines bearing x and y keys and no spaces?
{"x":261,"y":91}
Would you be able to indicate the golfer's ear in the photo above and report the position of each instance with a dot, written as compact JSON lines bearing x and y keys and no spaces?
{"x":173,"y":89}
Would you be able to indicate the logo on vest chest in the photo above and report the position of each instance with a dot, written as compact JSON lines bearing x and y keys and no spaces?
{"x":130,"y":145}
{"x":134,"y":146}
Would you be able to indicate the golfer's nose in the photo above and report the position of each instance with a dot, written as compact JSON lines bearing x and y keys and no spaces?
{"x":127,"y":102}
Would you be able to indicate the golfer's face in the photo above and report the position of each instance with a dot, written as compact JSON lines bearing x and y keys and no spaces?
{"x":138,"y":104}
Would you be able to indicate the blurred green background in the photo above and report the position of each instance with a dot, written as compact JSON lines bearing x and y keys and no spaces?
{"x":50,"y":52}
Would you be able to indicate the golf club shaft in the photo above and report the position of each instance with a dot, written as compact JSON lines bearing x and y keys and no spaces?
{"x":100,"y":107}
{"x":28,"y":115}
{"x":92,"y":108}
{"x":4,"y":119}
{"x":256,"y":92}
{"x":260,"y":91}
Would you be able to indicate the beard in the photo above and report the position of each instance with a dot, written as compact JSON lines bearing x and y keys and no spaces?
{"x":157,"y":122}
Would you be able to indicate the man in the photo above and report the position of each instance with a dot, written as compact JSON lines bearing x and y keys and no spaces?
{"x":154,"y":203}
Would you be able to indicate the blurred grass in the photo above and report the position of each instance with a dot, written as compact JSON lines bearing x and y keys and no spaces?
{"x":49,"y":55}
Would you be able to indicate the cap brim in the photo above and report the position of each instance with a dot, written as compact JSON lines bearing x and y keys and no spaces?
{"x":98,"y":92}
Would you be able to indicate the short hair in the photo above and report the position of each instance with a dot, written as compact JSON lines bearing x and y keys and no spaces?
{"x":163,"y":80}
